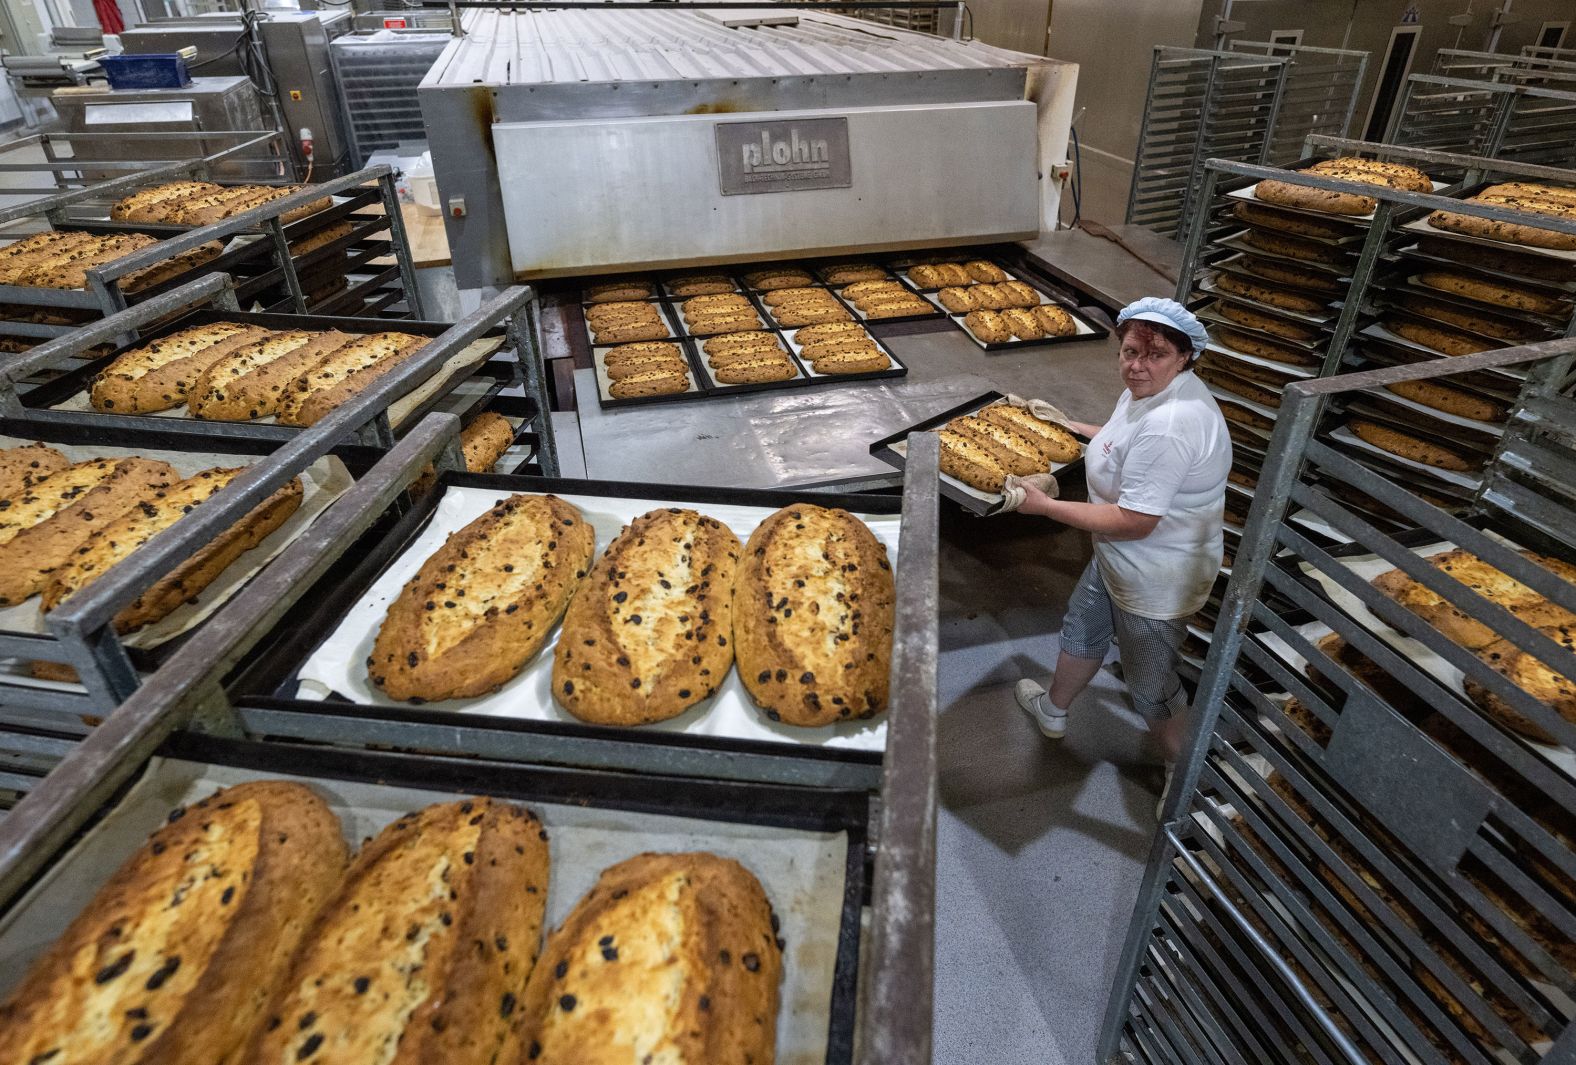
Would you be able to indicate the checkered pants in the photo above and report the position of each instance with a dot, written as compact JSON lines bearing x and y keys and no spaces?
{"x":1147,"y":646}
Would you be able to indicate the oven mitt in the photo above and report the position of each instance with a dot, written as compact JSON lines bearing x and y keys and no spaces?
{"x":1042,"y":410}
{"x":1013,"y":494}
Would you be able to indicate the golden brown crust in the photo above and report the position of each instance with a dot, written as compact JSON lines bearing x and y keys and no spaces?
{"x":346,"y":370}
{"x":960,"y":299}
{"x":906,"y":306}
{"x":638,"y":352}
{"x":1493,"y":325}
{"x":1523,"y":669}
{"x":1295,"y":247}
{"x":648,"y":364}
{"x":161,"y":374}
{"x":810,"y":314}
{"x":852,"y":273}
{"x":650,"y":632}
{"x":1493,"y":292}
{"x":811,"y":334}
{"x":1438,"y":338}
{"x":485,"y":603}
{"x":42,"y":528}
{"x":1486,"y":581}
{"x":139,"y":524}
{"x":1230,"y":382}
{"x":1015,"y":451}
{"x":1451,"y":400}
{"x":1285,"y":273}
{"x":1307,"y":198}
{"x":1286,"y":222}
{"x":988,"y":326}
{"x":1269,"y":295}
{"x":1265,"y":349}
{"x":767,"y":280}
{"x":870,"y":360}
{"x":813,"y":617}
{"x":1268,"y":323}
{"x":1525,"y":233}
{"x":1408,"y":446}
{"x":669,"y":954}
{"x":1056,"y":443}
{"x":149,"y":205}
{"x":619,"y":291}
{"x":663,"y":382}
{"x":1235,"y":412}
{"x":699,"y":285}
{"x":422,"y":956}
{"x":761,"y":369}
{"x":150,"y":972}
{"x":250,"y":380}
{"x":22,"y":467}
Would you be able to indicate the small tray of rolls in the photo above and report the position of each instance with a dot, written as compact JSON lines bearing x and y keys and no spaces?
{"x":996,"y":308}
{"x":659,"y":599}
{"x":984,"y":440}
{"x":541,"y":915}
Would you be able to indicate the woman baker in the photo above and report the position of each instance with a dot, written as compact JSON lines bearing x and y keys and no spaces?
{"x":1156,"y":473}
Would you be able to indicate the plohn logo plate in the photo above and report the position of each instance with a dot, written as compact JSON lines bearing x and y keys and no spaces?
{"x":785,"y":155}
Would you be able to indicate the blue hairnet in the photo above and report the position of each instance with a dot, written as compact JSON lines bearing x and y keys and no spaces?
{"x":1167,"y":312}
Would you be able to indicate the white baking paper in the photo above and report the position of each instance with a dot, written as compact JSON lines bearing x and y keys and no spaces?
{"x":1209,"y":288}
{"x":1251,"y":194}
{"x":1421,"y":226}
{"x":604,"y":383}
{"x":339,"y":662}
{"x":1415,"y":251}
{"x":802,"y":872}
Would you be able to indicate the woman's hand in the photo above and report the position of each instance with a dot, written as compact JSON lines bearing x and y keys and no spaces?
{"x":1035,"y":501}
{"x":1015,"y":492}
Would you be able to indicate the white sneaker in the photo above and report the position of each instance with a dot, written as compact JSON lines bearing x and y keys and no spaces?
{"x":1164,"y":788}
{"x":1036,"y":702}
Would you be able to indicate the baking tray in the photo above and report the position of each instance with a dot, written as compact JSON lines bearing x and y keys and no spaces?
{"x":667,"y":313}
{"x":329,"y":477}
{"x":1250,"y":193}
{"x":607,"y":400}
{"x":1206,"y":312}
{"x":1403,"y":468}
{"x":1086,"y":330}
{"x":1222,"y":348}
{"x":1382,"y":347}
{"x":902,"y":279}
{"x":1378,"y":332}
{"x":313,"y":659}
{"x":1411,"y":285}
{"x":1417,"y":253}
{"x":807,"y":849}
{"x":1421,"y":225}
{"x":897,"y":368}
{"x":68,"y":392}
{"x":1236,"y":242}
{"x":675,"y":299}
{"x":893,"y":450}
{"x":1234,"y":264}
{"x":1325,"y":320}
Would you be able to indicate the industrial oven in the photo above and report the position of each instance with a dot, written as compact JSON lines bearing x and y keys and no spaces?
{"x":570,"y":141}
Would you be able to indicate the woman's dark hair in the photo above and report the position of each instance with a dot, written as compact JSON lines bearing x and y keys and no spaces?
{"x":1169,"y":333}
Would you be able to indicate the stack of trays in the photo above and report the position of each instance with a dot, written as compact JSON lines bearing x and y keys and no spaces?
{"x":698,"y":335}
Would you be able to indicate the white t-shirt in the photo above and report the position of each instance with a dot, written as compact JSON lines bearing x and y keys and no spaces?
{"x":1166,"y":455}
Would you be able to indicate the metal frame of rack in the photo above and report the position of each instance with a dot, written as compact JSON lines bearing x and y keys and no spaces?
{"x":185,"y":697}
{"x":1320,"y":882}
{"x":81,"y":630}
{"x":1320,"y":95}
{"x":65,"y":172}
{"x":387,"y":287}
{"x":1499,"y":119}
{"x":377,"y":91}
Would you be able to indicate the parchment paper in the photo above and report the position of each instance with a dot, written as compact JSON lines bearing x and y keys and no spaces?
{"x":338,"y":663}
{"x":802,"y":872}
{"x":994,"y":498}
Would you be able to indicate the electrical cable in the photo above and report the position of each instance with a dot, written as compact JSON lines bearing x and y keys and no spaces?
{"x":1077,"y":181}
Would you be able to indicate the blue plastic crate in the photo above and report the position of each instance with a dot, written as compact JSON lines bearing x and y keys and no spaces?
{"x":151,"y":71}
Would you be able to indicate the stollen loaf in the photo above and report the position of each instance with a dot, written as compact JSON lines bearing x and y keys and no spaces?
{"x":485,"y":603}
{"x":650,"y":632}
{"x":250,"y":380}
{"x":671,"y":958}
{"x":22,"y":467}
{"x":174,"y":960}
{"x":347,"y":370}
{"x":813,"y":614}
{"x":158,"y":375}
{"x":422,"y":955}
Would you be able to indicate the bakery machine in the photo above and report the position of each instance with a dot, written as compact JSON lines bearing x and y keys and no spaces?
{"x":575,"y":141}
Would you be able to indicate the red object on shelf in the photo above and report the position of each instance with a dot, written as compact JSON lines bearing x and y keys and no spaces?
{"x":109,"y":16}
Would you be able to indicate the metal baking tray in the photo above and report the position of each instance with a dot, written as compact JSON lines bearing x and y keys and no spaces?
{"x":1086,"y":330}
{"x":808,"y":848}
{"x":1416,"y":253}
{"x":1553,"y":325}
{"x":892,"y":451}
{"x":1325,"y":320}
{"x":1237,"y":242}
{"x":1250,"y":194}
{"x":51,"y":399}
{"x":335,"y":614}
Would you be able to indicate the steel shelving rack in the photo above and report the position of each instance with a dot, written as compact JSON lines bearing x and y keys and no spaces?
{"x":1524,"y":116}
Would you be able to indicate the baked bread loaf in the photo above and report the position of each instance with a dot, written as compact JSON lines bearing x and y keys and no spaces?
{"x":1236,"y":386}
{"x":322,"y":238}
{"x":625,"y":353}
{"x":159,"y":273}
{"x":174,"y":960}
{"x":1284,"y":273}
{"x":42,"y":526}
{"x":1213,"y":360}
{"x":699,"y":285}
{"x":645,"y":364}
{"x":1495,"y":293}
{"x":154,"y":203}
{"x":1437,"y":337}
{"x":618,"y":310}
{"x":988,"y":327}
{"x":718,"y":303}
{"x":782,"y":297}
{"x":1485,"y":580}
{"x":485,"y":603}
{"x":1451,"y":400}
{"x":940,"y":275}
{"x":871,"y":360}
{"x":761,"y":369}
{"x":623,"y":323}
{"x":650,"y":632}
{"x":1348,"y":168}
{"x":346,"y":370}
{"x":841,"y":274}
{"x":1534,"y":200}
{"x":22,"y":467}
{"x":732,"y":320}
{"x":482,"y":443}
{"x":812,"y":616}
{"x":985,"y":271}
{"x":249,"y":380}
{"x":1485,"y":324}
{"x":860,"y":289}
{"x":811,"y":314}
{"x":960,"y":299}
{"x":1503,"y":260}
{"x":115,"y":540}
{"x":1055,"y":321}
{"x":1269,"y":295}
{"x":670,"y":957}
{"x":1291,"y":247}
{"x":1527,"y":672}
{"x":659,"y":382}
{"x":814,"y":333}
{"x":1252,"y":419}
{"x":160,"y":374}
{"x":847,"y":345}
{"x":767,"y":280}
{"x":1299,"y":225}
{"x":1268,"y":323}
{"x":623,"y":290}
{"x":905,"y":306}
{"x":1024,"y":324}
{"x":1409,"y":447}
{"x":1249,"y":344}
{"x":750,"y":341}
{"x":424,"y":952}
{"x":1015,"y":450}
{"x":964,"y":458}
{"x":1056,"y":443}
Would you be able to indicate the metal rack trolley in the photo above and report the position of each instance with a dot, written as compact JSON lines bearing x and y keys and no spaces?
{"x":213,"y":298}
{"x":1320,"y":96}
{"x":81,"y":631}
{"x":1385,"y":875}
{"x":1502,"y":119}
{"x":64,"y":172}
{"x":183,"y":711}
{"x":102,"y":294}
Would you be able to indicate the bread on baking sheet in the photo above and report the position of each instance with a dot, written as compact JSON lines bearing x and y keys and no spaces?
{"x":1496,"y":293}
{"x":1410,"y":447}
{"x":872,"y":360}
{"x":623,"y":290}
{"x":960,"y":299}
{"x":65,"y":264}
{"x":650,"y":327}
{"x":985,"y":271}
{"x":783,"y":296}
{"x":1056,"y":443}
{"x":113,"y":541}
{"x":670,"y":957}
{"x":1523,"y":669}
{"x":1237,"y":386}
{"x":1015,"y":451}
{"x":899,"y":307}
{"x":644,"y":365}
{"x":22,"y":467}
{"x":650,"y":632}
{"x":812,"y":615}
{"x":1214,"y":360}
{"x":482,"y":443}
{"x":966,"y":459}
{"x":851,"y":273}
{"x":1308,"y":198}
{"x":659,"y":382}
{"x":423,"y":953}
{"x":1284,"y":273}
{"x":151,"y":204}
{"x":1268,"y":323}
{"x":641,"y":351}
{"x":697,"y":285}
{"x":1503,"y":260}
{"x":866,"y":288}
{"x":160,"y":374}
{"x":812,"y":334}
{"x":1458,"y":317}
{"x":42,"y":527}
{"x":1269,"y":295}
{"x":175,"y":266}
{"x":988,"y":326}
{"x":484,"y":603}
{"x":619,"y":310}
{"x":814,"y":314}
{"x":1299,"y":225}
{"x":1293,"y":247}
{"x":1531,"y":200}
{"x":762,"y":369}
{"x":1236,"y":412}
{"x":174,"y":960}
{"x":767,"y":280}
{"x":1451,"y":400}
{"x":1486,"y":581}
{"x":738,"y":321}
{"x":248,"y":381}
{"x":700,"y":306}
{"x":348,"y":369}
{"x":1437,"y":337}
